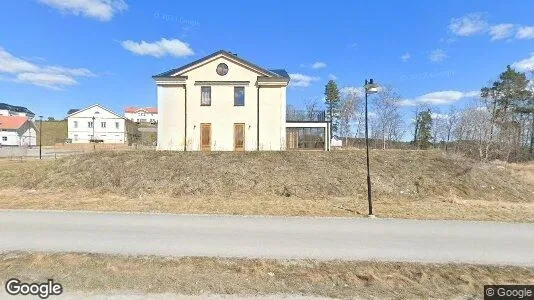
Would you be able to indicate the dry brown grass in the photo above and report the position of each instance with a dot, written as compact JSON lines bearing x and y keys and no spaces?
{"x":193,"y":276}
{"x":406,"y":184}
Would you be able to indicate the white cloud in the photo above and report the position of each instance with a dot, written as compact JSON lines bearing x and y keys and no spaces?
{"x":12,"y":64}
{"x":525,"y":33}
{"x":102,"y":10}
{"x":52,"y":81}
{"x":318,"y":65}
{"x":302,"y":80}
{"x":525,"y":65}
{"x":173,"y":47}
{"x":501,"y":31}
{"x":475,"y":23}
{"x":407,"y":102}
{"x":80,"y":72}
{"x":406,"y":56}
{"x":353,"y":45}
{"x":438,"y":98}
{"x":47,"y":76}
{"x":468,"y":25}
{"x":332,"y":76}
{"x":437,"y":56}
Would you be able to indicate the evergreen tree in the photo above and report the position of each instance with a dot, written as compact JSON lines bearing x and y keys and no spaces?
{"x":506,"y":98}
{"x":333,"y":105}
{"x":424,"y":134}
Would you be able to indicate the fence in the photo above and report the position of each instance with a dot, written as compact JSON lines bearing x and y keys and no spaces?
{"x":62,"y":150}
{"x":294,"y":115}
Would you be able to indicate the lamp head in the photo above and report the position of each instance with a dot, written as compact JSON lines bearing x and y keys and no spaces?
{"x":371,"y":87}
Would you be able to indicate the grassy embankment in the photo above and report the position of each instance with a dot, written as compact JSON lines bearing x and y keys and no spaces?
{"x":406,"y":184}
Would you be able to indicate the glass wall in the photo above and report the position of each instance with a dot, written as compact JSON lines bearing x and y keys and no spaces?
{"x":305,"y":138}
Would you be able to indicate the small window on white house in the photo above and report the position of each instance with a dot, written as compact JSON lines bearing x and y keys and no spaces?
{"x":90,"y":124}
{"x":103,"y":124}
{"x":239,"y":96}
{"x":75,"y":124}
{"x":4,"y":139}
{"x":75,"y":137}
{"x":117,"y":125}
{"x":205,"y":96}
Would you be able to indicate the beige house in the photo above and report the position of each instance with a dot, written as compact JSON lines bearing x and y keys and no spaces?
{"x":225,"y":103}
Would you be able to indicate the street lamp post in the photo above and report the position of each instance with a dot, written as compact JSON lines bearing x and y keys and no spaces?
{"x":93,"y":137}
{"x":40,"y":136}
{"x":370,"y":88}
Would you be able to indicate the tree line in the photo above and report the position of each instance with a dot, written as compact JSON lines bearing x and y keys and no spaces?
{"x":499,"y":125}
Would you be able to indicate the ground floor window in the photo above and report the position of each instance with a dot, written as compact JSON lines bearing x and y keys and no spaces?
{"x":305,"y":138}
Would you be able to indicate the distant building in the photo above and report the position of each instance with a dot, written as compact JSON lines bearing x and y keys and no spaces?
{"x":96,"y":123}
{"x":12,"y":110}
{"x":141,"y":114}
{"x":17,"y":131}
{"x":72,"y":110}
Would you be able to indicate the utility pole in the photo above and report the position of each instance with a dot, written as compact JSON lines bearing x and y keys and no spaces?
{"x":93,"y":137}
{"x":40,"y":137}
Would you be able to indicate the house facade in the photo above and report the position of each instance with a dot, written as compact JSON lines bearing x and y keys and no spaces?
{"x":223,"y":103}
{"x":141,"y":114}
{"x":17,"y":131}
{"x":96,"y":123}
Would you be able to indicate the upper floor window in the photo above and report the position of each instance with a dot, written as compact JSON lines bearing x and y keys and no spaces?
{"x":90,"y":124}
{"x":75,"y":124}
{"x":205,"y":95}
{"x":117,"y":125}
{"x":239,"y":96}
{"x":103,"y":124}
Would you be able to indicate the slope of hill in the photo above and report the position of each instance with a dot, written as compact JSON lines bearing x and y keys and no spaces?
{"x":412,"y":184}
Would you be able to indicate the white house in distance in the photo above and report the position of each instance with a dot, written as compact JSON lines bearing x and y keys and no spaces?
{"x":141,"y":114}
{"x":224,"y":103}
{"x":96,"y":123}
{"x":12,"y":110}
{"x":17,"y":131}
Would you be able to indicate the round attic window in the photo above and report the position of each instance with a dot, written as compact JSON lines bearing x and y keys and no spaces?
{"x":222,"y":69}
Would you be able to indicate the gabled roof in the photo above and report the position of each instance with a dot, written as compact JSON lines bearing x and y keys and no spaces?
{"x":150,"y":110}
{"x":20,"y":109}
{"x":231,"y":56}
{"x":280,"y":72}
{"x":12,"y":122}
{"x":102,"y":107}
{"x":72,"y":110}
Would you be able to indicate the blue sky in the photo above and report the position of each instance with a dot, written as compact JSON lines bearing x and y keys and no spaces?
{"x":62,"y":54}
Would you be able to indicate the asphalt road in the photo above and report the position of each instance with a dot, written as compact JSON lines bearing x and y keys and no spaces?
{"x":269,"y":237}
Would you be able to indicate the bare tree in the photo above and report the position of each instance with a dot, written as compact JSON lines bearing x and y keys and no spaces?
{"x":450,"y":125}
{"x":388,"y":119}
{"x":350,"y":98}
{"x":312,"y":108}
{"x":472,"y":126}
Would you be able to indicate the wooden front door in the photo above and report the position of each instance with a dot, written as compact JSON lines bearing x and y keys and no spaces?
{"x":205,"y":137}
{"x":239,"y":137}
